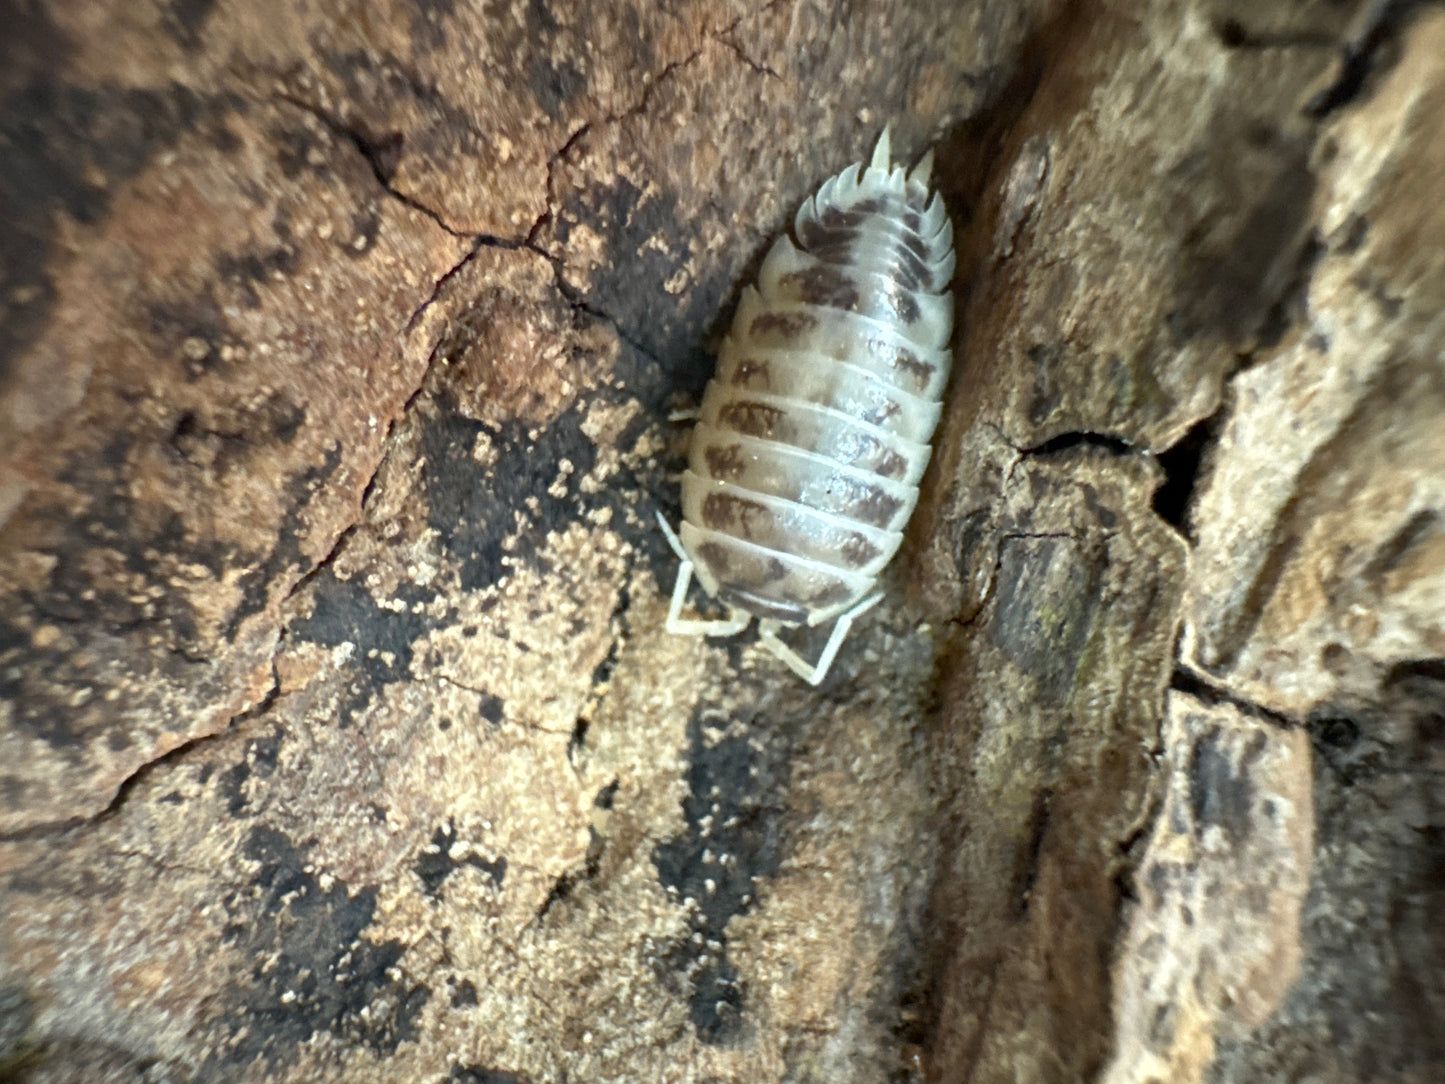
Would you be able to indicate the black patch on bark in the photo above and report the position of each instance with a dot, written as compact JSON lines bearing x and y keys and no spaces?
{"x":669,"y":328}
{"x":427,"y":23}
{"x":245,"y":270}
{"x":111,"y":591}
{"x":184,"y":20}
{"x":1237,"y":288}
{"x":344,"y":611}
{"x":1373,"y":950}
{"x":1105,"y":516}
{"x":492,"y":709}
{"x":258,"y":759}
{"x":310,"y":970}
{"x":1047,"y":598}
{"x":18,"y":1046}
{"x":1419,"y":528}
{"x":476,"y":507}
{"x":286,"y":555}
{"x":383,"y":153}
{"x":1424,"y":678}
{"x":1220,"y":790}
{"x":136,"y":535}
{"x":37,"y":682}
{"x":198,"y":318}
{"x":32,"y":44}
{"x":365,"y":227}
{"x":1047,"y":395}
{"x":476,"y":1074}
{"x":1334,"y":732}
{"x":286,"y":420}
{"x":554,"y":83}
{"x":733,"y":811}
{"x":969,"y":533}
{"x":293,"y":152}
{"x":464,"y":994}
{"x":59,"y":139}
{"x":435,"y":864}
{"x":1027,"y":873}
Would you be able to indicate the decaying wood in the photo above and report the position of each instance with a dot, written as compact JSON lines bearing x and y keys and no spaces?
{"x":339,"y":735}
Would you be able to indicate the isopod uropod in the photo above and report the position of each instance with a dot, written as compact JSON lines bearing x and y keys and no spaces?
{"x":813,"y":432}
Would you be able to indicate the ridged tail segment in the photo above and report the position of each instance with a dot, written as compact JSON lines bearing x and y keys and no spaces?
{"x":814,"y":430}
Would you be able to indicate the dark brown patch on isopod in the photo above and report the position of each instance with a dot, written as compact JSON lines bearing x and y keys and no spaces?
{"x":891,"y":465}
{"x":733,"y":514}
{"x":752,"y":373}
{"x":823,"y":284}
{"x":752,"y":419}
{"x":907,"y":272}
{"x":831,"y":595}
{"x":860,"y":450}
{"x":726,"y":464}
{"x":792,"y":613}
{"x":874,"y":506}
{"x":916,"y":247}
{"x":716,"y":557}
{"x":787,"y":325}
{"x":857,"y":551}
{"x":816,"y":236}
{"x":899,"y":264}
{"x":908,"y":364}
{"x":903,"y":304}
{"x":879,"y":415}
{"x":844,"y":220}
{"x":863,"y":502}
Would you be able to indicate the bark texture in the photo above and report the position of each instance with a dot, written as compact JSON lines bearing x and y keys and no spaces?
{"x":340,"y":737}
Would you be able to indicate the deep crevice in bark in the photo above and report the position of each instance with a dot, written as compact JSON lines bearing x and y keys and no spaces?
{"x":1363,"y":56}
{"x":1190,"y":681}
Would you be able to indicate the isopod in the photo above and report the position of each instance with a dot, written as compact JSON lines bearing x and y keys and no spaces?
{"x":814,"y":430}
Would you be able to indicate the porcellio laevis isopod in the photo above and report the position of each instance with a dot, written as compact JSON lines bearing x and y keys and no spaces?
{"x":814,"y":429}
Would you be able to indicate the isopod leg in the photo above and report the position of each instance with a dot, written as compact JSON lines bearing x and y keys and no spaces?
{"x":731,"y":625}
{"x":674,"y":541}
{"x":815,"y":673}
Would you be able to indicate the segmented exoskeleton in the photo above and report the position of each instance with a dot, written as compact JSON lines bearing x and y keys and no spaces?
{"x":814,"y":430}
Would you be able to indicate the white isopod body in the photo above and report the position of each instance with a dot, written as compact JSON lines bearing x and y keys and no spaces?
{"x":814,"y":430}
